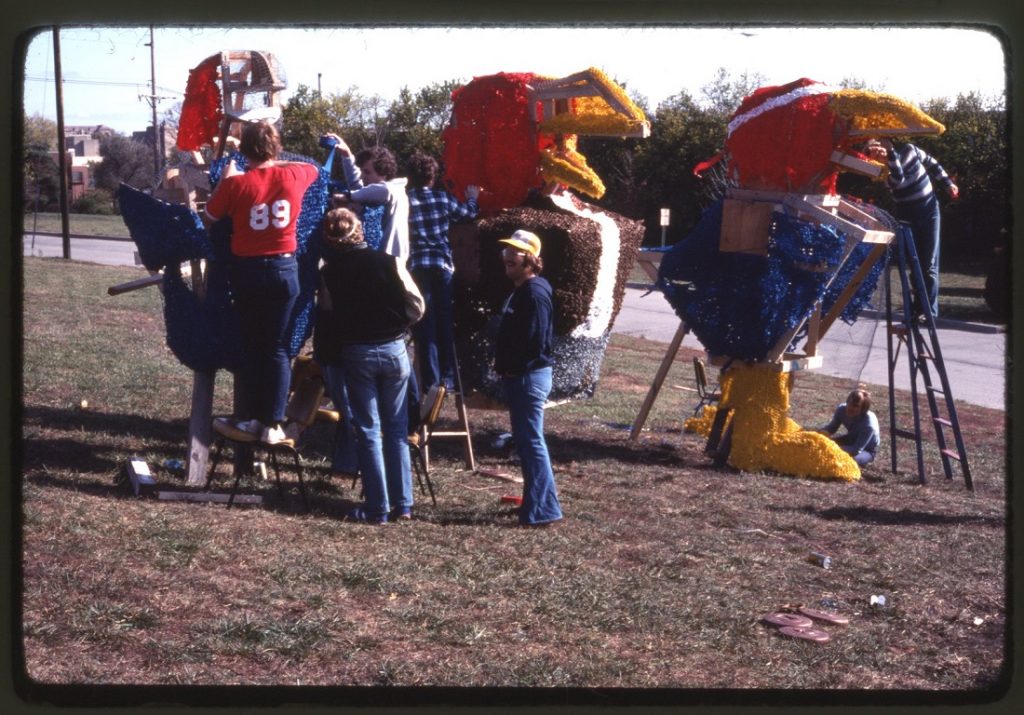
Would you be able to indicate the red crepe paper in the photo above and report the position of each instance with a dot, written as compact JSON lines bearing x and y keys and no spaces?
{"x":788,"y":147}
{"x":492,"y":141}
{"x":201,"y":113}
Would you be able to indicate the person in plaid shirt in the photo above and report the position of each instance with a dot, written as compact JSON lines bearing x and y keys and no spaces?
{"x":431,"y":211}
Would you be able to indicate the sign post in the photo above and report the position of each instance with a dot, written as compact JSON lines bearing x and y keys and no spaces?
{"x":664,"y":225}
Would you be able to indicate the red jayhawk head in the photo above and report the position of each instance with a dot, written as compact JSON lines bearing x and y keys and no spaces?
{"x":796,"y":137}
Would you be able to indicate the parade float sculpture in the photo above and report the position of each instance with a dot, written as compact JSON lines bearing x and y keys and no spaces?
{"x":773,"y":264}
{"x":515,"y":135}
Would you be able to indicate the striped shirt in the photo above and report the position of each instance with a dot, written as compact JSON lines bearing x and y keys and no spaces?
{"x":909,"y":170}
{"x":430,"y":212}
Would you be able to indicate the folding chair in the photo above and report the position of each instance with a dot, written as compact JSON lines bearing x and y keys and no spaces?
{"x":430,"y":408}
{"x":302,"y":410}
{"x":707,"y":396}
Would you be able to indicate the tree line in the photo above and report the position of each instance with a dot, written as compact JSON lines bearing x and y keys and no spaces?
{"x":642,"y":176}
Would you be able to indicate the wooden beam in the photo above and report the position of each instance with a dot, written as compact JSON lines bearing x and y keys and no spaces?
{"x":813,"y":331}
{"x":895,"y":132}
{"x":797,"y":363}
{"x":136,"y":284}
{"x":659,"y":378}
{"x":647,"y":262}
{"x":154,"y":278}
{"x":209,"y":497}
{"x":565,"y":92}
{"x":861,"y":166}
{"x":499,"y":475}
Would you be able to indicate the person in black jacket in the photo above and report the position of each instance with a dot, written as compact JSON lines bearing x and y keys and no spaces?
{"x":368,"y":301}
{"x":523,"y":360}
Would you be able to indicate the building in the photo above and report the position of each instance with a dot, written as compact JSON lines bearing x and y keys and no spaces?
{"x":82,"y":147}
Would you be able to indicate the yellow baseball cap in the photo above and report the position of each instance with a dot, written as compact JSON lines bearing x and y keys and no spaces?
{"x":525,"y":241}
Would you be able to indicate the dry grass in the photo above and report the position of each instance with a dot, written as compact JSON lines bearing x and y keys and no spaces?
{"x":656,"y":580}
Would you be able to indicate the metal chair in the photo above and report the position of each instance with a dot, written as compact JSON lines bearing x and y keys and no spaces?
{"x":302,"y":410}
{"x":706,"y":394}
{"x":430,"y":409}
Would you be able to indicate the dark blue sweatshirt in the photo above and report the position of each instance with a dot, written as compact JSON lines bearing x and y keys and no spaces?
{"x":524,"y":333}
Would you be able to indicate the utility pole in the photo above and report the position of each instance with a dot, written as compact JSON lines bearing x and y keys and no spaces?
{"x":62,"y":155}
{"x":318,"y":76}
{"x":152,"y":75}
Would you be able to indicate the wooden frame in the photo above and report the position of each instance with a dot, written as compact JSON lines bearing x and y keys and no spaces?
{"x":554,"y":96}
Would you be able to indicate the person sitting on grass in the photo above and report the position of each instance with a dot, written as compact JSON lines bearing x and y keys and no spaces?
{"x":861,"y":438}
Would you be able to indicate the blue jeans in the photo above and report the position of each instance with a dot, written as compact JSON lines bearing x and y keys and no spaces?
{"x":377,"y":379}
{"x":263,"y":291}
{"x":434,"y":332}
{"x":924,"y":219}
{"x":861,"y":457}
{"x":525,"y":396}
{"x":344,"y":458}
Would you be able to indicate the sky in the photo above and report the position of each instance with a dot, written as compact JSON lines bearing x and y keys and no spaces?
{"x":107,"y":70}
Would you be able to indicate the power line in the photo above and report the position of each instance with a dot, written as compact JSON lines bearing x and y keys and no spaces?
{"x":107,"y":83}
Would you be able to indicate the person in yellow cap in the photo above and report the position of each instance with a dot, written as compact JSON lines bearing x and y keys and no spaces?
{"x":523,"y":360}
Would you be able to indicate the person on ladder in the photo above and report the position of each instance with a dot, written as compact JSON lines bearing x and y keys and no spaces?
{"x":913,"y":174}
{"x":431,"y":211}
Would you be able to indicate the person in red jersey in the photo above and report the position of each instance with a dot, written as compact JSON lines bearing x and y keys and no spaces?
{"x":263,"y":203}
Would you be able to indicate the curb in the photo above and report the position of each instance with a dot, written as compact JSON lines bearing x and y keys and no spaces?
{"x":944,"y":323}
{"x":26,"y":234}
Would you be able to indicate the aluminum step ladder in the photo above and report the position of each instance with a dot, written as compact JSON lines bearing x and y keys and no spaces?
{"x":918,"y":335}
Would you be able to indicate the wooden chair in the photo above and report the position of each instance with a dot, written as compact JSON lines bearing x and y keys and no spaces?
{"x":303,"y":408}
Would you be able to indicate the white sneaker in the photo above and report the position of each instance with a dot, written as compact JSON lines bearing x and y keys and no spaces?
{"x":276,"y":435}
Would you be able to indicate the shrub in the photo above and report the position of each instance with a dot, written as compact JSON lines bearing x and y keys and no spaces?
{"x":95,"y":201}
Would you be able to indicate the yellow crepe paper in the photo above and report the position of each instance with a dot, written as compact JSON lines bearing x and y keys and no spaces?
{"x":701,"y":424}
{"x":871,"y":110}
{"x":569,"y":167}
{"x":765,"y":438}
{"x":594,"y":115}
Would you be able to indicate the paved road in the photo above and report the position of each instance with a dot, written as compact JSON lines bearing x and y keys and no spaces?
{"x":975,"y":357}
{"x":107,"y":251}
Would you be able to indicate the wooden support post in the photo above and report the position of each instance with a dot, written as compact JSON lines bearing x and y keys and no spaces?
{"x":659,"y":378}
{"x":200,"y":427}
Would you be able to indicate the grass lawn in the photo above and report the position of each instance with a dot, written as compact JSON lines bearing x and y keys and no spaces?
{"x":657,"y":578}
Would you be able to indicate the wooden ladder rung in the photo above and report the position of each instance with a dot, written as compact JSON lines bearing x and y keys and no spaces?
{"x":936,"y":390}
{"x":951,"y":454}
{"x":905,"y":433}
{"x":942,"y":421}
